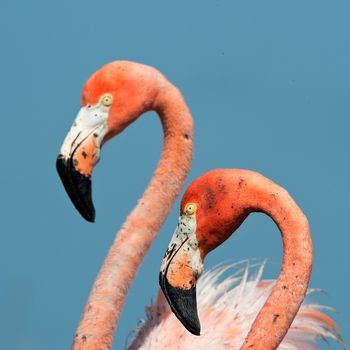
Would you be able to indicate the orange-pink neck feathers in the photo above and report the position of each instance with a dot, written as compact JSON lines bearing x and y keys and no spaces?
{"x":224,"y":198}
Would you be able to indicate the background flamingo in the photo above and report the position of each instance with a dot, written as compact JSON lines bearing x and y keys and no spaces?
{"x":113,"y":98}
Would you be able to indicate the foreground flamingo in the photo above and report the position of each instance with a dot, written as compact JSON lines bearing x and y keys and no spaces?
{"x":113,"y":98}
{"x":212,"y":208}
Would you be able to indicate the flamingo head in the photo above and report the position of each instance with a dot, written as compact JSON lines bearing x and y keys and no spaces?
{"x":210,"y":212}
{"x":112,"y":98}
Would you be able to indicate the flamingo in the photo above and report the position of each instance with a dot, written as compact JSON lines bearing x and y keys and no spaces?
{"x":212,"y":208}
{"x":112,"y":98}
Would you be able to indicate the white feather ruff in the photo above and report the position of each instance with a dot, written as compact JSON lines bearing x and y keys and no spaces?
{"x":227,"y":308}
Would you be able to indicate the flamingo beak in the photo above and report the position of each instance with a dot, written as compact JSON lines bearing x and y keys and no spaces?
{"x":79,"y":154}
{"x":181,"y":267}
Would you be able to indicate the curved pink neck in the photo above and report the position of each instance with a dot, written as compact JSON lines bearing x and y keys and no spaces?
{"x":280,"y":309}
{"x":103,"y":308}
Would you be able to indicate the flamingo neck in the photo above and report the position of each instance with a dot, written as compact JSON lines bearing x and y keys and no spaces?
{"x":280,"y":309}
{"x":102,"y":311}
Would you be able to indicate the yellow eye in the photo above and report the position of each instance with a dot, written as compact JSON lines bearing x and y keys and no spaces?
{"x":107,"y":100}
{"x":190,"y":208}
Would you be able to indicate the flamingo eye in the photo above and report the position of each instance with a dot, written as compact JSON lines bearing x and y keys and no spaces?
{"x":107,"y":100}
{"x":190,"y":208}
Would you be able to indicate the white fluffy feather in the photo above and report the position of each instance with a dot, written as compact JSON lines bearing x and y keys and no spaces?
{"x":227,"y":308}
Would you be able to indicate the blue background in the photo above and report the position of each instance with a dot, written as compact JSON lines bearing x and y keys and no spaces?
{"x":268,"y":86}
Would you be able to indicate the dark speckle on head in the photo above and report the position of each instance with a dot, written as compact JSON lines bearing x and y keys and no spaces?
{"x":204,"y":240}
{"x":210,"y":197}
{"x":241,"y":183}
{"x":221,"y":186}
{"x":186,"y":136}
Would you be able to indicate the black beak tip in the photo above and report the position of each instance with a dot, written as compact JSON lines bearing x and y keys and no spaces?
{"x":183,"y":303}
{"x":194,"y":328}
{"x":77,"y":186}
{"x":90,"y":217}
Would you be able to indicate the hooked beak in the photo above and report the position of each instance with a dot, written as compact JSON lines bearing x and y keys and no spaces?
{"x":181,"y":267}
{"x":79,"y":154}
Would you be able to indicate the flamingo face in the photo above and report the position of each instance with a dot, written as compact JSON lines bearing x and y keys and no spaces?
{"x":181,"y":267}
{"x":112,"y":98}
{"x":81,"y":151}
{"x":210,"y":213}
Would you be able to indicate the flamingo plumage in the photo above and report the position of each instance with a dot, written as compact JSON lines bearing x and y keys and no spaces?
{"x":227,"y":308}
{"x":113,"y":97}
